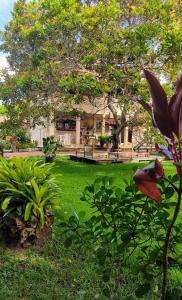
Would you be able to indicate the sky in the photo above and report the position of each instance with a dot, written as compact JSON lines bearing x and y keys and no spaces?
{"x":6,"y":7}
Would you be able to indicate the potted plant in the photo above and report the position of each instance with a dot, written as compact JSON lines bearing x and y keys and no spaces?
{"x":50,"y":146}
{"x":104,"y":140}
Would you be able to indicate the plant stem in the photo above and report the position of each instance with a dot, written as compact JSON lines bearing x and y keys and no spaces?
{"x":166,"y":247}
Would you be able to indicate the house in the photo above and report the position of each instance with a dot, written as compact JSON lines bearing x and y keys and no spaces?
{"x":83,"y":128}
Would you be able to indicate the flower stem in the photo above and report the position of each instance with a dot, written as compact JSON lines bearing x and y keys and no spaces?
{"x":166,"y":247}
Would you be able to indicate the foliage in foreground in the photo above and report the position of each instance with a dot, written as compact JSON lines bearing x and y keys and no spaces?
{"x":26,"y":189}
{"x":127,"y":228}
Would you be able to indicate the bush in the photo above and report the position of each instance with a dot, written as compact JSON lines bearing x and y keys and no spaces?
{"x":126,"y":224}
{"x":50,"y":146}
{"x":5,"y":145}
{"x":32,"y":144}
{"x":104,"y":140}
{"x":9,"y":129}
{"x":27,"y":192}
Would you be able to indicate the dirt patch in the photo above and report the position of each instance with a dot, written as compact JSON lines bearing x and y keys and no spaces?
{"x":17,"y":234}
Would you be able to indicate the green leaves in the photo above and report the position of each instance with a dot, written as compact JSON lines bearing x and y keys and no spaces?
{"x":5,"y":203}
{"x":26,"y":189}
{"x":27,"y":211}
{"x":50,"y":146}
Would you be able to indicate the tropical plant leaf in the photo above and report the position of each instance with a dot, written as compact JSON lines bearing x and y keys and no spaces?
{"x":27,"y":211}
{"x":175,"y":112}
{"x":146,"y":180}
{"x":161,"y":114}
{"x":5,"y":203}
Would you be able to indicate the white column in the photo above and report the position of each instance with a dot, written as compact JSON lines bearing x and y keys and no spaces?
{"x":125,"y":136}
{"x":77,"y":130}
{"x":103,"y":125}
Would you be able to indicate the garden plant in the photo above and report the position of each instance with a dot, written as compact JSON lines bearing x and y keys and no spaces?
{"x":128,"y":227}
{"x":28,"y":193}
{"x":167,"y":117}
{"x":50,"y":147}
{"x":104,"y":140}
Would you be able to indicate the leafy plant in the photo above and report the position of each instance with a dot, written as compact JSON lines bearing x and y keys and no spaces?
{"x":8,"y":128}
{"x":104,"y":139}
{"x":50,"y":146}
{"x":32,"y":144}
{"x":126,"y":224}
{"x":167,"y":117}
{"x":26,"y":190}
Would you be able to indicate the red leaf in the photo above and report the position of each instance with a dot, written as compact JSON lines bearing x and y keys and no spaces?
{"x":179,"y":82}
{"x":158,"y":94}
{"x":151,"y":190}
{"x":155,"y":169}
{"x":159,"y":168}
{"x":160,"y":105}
{"x":174,"y":110}
{"x":163,"y":124}
{"x":146,"y":180}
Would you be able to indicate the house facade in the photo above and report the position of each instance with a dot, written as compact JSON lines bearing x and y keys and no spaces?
{"x":84,"y":128}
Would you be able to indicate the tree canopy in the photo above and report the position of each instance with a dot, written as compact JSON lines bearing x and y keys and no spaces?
{"x":62,"y":52}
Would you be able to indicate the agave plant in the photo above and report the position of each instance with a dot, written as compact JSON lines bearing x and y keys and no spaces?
{"x":167,"y":117}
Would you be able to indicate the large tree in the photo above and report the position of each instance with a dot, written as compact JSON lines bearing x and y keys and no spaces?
{"x":65,"y":51}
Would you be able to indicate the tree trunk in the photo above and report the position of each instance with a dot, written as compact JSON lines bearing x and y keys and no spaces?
{"x":115,"y":137}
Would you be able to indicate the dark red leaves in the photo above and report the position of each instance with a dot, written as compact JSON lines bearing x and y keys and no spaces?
{"x":167,"y":116}
{"x":175,"y":112}
{"x":175,"y":108}
{"x":146,"y":180}
{"x":158,"y":94}
{"x":161,"y":113}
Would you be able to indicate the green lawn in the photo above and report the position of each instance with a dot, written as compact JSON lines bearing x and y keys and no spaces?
{"x":55,"y":273}
{"x":76,"y":176}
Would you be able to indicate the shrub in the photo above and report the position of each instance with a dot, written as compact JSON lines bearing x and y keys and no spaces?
{"x":126,"y":225}
{"x":27,"y":193}
{"x":104,"y":140}
{"x":50,"y":146}
{"x":5,"y":145}
{"x":32,"y":144}
{"x":9,"y":129}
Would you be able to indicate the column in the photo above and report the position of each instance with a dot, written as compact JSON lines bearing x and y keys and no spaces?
{"x":103,"y":125}
{"x":77,"y":130}
{"x":125,"y":136}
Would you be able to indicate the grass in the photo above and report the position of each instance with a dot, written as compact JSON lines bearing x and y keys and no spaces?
{"x":76,"y":176}
{"x":55,"y":273}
